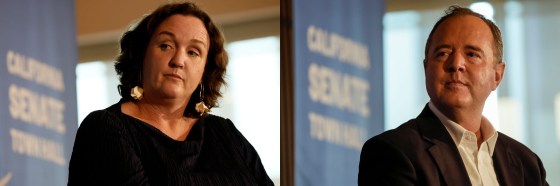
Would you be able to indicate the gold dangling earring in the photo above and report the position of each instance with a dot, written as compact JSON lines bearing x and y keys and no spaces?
{"x":136,"y":93}
{"x":200,"y":106}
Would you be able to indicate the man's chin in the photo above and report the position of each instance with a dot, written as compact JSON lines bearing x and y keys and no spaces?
{"x":453,"y":102}
{"x":456,"y":103}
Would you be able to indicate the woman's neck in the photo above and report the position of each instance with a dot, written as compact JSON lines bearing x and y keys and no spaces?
{"x":168,"y":120}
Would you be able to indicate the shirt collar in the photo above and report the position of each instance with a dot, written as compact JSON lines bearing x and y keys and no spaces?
{"x":456,"y":130}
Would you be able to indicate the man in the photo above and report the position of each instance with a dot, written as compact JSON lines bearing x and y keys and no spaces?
{"x":450,"y":142}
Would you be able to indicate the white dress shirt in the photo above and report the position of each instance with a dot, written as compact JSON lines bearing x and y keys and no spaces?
{"x":478,"y":161}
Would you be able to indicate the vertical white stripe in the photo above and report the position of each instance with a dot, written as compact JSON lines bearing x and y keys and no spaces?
{"x":557,"y":115}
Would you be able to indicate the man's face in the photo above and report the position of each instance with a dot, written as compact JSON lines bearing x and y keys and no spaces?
{"x":460,"y":67}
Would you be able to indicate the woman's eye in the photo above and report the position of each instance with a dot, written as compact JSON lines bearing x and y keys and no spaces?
{"x":164,"y":46}
{"x":193,"y":53}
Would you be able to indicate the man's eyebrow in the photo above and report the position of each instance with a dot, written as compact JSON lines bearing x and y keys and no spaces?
{"x":440,"y":47}
{"x":475,"y":48}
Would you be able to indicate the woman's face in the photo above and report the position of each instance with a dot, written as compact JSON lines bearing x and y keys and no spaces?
{"x":175,"y":59}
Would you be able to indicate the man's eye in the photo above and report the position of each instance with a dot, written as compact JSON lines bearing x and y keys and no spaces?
{"x":472,"y":54}
{"x":441,"y":54}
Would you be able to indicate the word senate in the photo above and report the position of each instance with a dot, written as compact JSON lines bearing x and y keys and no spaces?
{"x":33,"y":108}
{"x":330,"y":87}
{"x":342,"y":91}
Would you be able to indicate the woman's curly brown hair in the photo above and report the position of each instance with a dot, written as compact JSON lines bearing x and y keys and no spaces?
{"x":133,"y":47}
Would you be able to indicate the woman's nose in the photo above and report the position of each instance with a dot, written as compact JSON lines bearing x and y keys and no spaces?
{"x":178,"y":59}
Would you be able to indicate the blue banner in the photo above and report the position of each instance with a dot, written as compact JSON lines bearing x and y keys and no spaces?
{"x":38,"y":117}
{"x":338,"y":87}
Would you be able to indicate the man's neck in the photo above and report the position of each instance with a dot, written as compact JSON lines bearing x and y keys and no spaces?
{"x":468,"y":118}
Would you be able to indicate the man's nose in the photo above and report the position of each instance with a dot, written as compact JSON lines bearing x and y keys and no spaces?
{"x":456,"y":63}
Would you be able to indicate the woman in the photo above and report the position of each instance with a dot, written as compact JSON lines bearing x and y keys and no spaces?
{"x":171,"y":68}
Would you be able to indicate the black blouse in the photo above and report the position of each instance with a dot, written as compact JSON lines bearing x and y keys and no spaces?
{"x":112,"y":148}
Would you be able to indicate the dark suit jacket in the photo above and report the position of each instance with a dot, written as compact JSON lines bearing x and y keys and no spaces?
{"x":421,"y":152}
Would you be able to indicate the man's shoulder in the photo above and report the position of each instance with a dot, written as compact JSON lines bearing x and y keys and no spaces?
{"x":409,"y":127}
{"x":404,"y":135}
{"x":513,"y":145}
{"x":517,"y":157}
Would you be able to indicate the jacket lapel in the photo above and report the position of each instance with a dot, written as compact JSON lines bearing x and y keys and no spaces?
{"x":444,"y":151}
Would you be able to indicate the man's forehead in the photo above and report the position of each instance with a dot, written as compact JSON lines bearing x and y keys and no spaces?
{"x":463,"y":20}
{"x":463,"y":26}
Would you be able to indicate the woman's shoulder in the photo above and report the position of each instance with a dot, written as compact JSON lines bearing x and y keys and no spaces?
{"x":217,"y":120}
{"x":220,"y":126}
{"x":102,"y":118}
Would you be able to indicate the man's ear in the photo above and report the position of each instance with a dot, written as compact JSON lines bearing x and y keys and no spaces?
{"x":499,"y":73}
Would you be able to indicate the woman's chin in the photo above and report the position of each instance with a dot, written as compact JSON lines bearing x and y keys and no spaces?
{"x":172,"y":94}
